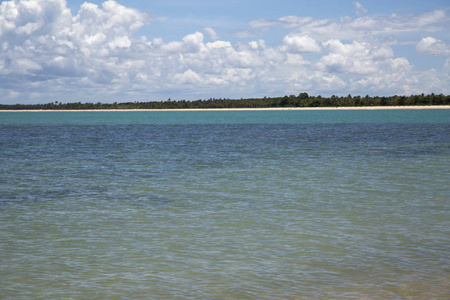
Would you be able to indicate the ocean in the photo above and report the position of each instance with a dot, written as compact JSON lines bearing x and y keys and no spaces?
{"x":225,"y":205}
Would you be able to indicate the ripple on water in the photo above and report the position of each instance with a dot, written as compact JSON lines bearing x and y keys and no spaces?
{"x":233,"y":211}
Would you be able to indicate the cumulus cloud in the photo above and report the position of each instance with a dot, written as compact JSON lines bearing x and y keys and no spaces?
{"x":193,"y":42}
{"x":218,"y":44}
{"x":432,"y":46}
{"x":355,"y":57}
{"x":43,"y":35}
{"x":188,"y":77}
{"x":47,"y":52}
{"x":300,"y":44}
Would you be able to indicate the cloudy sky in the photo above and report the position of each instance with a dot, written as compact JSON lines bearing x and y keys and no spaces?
{"x":141,"y":50}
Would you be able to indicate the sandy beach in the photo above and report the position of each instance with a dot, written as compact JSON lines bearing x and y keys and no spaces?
{"x":246,"y":109}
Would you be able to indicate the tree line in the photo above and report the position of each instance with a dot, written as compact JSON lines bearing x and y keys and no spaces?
{"x":301,"y":100}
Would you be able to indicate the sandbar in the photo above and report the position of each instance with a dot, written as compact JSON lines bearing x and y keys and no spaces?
{"x":244,"y":109}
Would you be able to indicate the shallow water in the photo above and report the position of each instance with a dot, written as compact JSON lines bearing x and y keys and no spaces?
{"x":225,"y":205}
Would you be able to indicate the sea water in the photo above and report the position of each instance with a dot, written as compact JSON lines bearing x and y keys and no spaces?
{"x":225,"y":205}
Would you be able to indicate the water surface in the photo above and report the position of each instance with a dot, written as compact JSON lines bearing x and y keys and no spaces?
{"x":225,"y":205}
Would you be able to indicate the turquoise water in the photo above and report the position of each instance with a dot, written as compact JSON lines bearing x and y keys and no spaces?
{"x":225,"y":205}
{"x":436,"y":116}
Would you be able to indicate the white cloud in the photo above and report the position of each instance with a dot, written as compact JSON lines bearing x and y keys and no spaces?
{"x":254,"y":44}
{"x":336,"y":46}
{"x":447,"y":65}
{"x":360,"y":10}
{"x":19,"y":20}
{"x":193,"y":42}
{"x":47,"y":53}
{"x":262,"y":23}
{"x":300,"y":44}
{"x":120,"y":42}
{"x":362,"y":27}
{"x":13,"y":94}
{"x":432,"y":46}
{"x":243,"y":59}
{"x":402,"y":79}
{"x":218,"y":44}
{"x":355,"y":57}
{"x":24,"y":66}
{"x":190,"y":43}
{"x":211,"y":33}
{"x":44,"y":29}
{"x":188,"y":77}
{"x":293,"y":21}
{"x":242,"y":34}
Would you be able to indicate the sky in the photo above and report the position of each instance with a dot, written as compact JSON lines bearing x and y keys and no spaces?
{"x":152,"y":50}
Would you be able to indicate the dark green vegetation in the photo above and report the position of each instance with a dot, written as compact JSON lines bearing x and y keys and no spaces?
{"x":302,"y":100}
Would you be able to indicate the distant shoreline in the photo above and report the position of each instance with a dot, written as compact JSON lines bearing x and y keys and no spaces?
{"x":240,"y":109}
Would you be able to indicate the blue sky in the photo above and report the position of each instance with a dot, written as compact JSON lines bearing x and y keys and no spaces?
{"x":135,"y":50}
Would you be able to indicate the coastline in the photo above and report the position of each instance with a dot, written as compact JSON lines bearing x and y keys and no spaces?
{"x":241,"y":109}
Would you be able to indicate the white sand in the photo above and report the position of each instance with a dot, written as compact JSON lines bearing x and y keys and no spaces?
{"x":236,"y":109}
